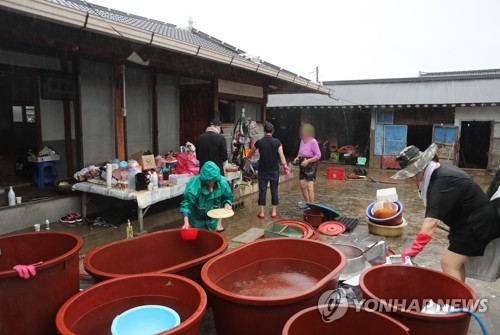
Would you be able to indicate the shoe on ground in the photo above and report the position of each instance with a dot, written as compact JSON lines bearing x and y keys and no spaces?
{"x":78,"y":217}
{"x":69,"y":220}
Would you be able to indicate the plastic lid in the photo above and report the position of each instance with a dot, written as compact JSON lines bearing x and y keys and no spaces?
{"x":332,"y":228}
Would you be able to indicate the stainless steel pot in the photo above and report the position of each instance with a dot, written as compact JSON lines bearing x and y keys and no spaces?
{"x":356,"y":261}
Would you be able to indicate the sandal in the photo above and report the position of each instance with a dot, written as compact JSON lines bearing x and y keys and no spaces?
{"x":261,"y":216}
{"x":220,"y":230}
{"x":274,"y":215}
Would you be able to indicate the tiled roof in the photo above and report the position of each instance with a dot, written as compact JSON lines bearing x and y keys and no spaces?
{"x":193,"y":36}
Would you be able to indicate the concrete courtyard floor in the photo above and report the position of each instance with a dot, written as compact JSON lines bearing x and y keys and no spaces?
{"x":350,"y":198}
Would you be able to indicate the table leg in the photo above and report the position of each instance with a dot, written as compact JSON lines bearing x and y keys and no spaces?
{"x":84,"y":204}
{"x":140,"y":217}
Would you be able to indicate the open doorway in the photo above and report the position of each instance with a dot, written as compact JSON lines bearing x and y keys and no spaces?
{"x":419,"y":136}
{"x":18,"y":126}
{"x":475,"y":138}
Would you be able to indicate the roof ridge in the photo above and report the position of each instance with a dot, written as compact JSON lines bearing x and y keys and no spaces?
{"x":460,"y":72}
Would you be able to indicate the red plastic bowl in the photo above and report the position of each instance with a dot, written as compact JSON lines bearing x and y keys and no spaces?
{"x":189,"y":234}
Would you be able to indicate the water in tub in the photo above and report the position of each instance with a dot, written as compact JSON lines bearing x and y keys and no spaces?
{"x":273,"y":278}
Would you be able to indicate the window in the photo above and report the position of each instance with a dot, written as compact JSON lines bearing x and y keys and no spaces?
{"x":385,"y":116}
{"x":230,"y":110}
{"x":17,"y":114}
{"x":23,"y":114}
{"x":445,"y":134}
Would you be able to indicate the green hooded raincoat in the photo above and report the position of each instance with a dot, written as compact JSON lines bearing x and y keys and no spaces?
{"x":198,"y":200}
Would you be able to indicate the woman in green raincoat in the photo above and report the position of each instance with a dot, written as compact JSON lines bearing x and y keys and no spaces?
{"x":207,"y":191}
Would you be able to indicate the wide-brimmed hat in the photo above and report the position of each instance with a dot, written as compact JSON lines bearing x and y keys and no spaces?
{"x":412,"y":161}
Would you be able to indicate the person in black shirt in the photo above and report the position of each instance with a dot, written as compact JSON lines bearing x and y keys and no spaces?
{"x":271,"y":157}
{"x":211,"y":146}
{"x":452,"y":197}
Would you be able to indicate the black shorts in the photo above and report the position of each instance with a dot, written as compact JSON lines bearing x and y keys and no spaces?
{"x":308,"y":172}
{"x":465,"y":241}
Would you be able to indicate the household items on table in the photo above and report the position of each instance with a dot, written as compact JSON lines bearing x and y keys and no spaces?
{"x":143,"y":171}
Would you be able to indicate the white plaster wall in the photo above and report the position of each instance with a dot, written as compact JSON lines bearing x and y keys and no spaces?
{"x":139,"y":110}
{"x":52,"y":119}
{"x":97,"y":112}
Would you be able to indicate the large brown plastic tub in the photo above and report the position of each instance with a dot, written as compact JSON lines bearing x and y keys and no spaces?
{"x":396,"y":286}
{"x":355,"y":321}
{"x":160,"y":252}
{"x":241,"y":313}
{"x":29,"y":306}
{"x":91,"y":312}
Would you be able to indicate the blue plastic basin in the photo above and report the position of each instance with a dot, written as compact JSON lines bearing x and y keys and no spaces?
{"x":145,"y":320}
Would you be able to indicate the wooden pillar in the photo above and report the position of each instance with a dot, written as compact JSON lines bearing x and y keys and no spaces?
{"x":78,"y":114}
{"x":119,"y":112}
{"x":68,"y":138}
{"x":264,"y":106}
{"x":216,"y":112}
{"x":156,"y":146}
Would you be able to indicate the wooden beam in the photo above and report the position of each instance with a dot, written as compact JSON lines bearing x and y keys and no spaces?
{"x":236,"y":97}
{"x":216,"y":97}
{"x":120,"y":135}
{"x":78,"y":114}
{"x":68,"y":138}
{"x":264,"y":107}
{"x":154,"y":81}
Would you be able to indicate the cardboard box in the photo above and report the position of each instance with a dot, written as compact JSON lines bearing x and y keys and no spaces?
{"x":145,"y":161}
{"x":36,"y":159}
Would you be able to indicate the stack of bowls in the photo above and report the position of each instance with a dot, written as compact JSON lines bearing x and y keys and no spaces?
{"x":391,"y":226}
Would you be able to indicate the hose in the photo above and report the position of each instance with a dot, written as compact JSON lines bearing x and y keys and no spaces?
{"x":478,"y":319}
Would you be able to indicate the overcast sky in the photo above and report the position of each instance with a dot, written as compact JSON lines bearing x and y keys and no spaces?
{"x":347,"y":39}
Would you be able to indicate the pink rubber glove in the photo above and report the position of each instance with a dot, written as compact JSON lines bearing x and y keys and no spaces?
{"x":286,"y":169}
{"x":418,"y":245}
{"x":24,"y":271}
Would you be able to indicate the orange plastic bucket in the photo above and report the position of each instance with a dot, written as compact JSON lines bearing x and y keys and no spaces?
{"x":29,"y":306}
{"x":92,"y":311}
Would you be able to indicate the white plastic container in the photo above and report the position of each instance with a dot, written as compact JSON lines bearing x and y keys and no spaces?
{"x":389,"y":194}
{"x":12,"y":197}
{"x":154,"y":180}
{"x":131,"y":179}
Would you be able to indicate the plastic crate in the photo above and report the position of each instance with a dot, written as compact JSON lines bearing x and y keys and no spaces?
{"x":335,"y":173}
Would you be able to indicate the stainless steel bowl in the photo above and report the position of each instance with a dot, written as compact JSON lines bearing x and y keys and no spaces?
{"x":356,"y":261}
